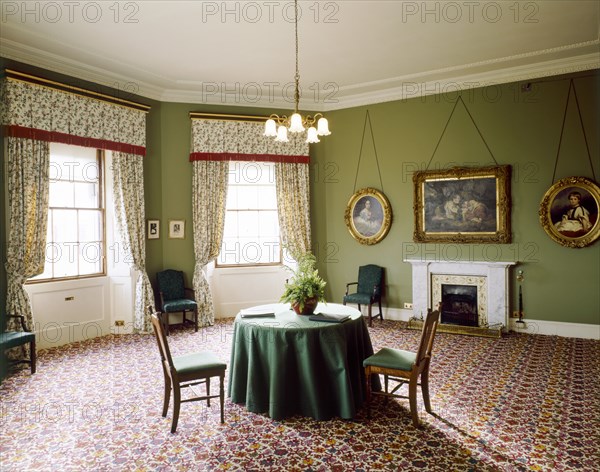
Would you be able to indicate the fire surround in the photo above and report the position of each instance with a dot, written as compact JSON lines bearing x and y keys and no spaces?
{"x":493,"y":275}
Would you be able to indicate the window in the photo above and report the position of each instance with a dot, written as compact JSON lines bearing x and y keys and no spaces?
{"x":251,"y":234}
{"x":75,"y":241}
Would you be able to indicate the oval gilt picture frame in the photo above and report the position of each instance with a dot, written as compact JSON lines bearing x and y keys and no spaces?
{"x":368,"y":216}
{"x":569,"y":212}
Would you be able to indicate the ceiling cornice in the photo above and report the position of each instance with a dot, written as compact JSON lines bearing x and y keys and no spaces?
{"x":575,"y":58}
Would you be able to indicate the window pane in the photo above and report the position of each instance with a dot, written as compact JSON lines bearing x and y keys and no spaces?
{"x":248,"y":224}
{"x":268,"y":224}
{"x":90,"y":258}
{"x":90,"y":225}
{"x":230,"y":250}
{"x":64,"y":225}
{"x":231,"y":224}
{"x":248,"y":197}
{"x":65,"y":259}
{"x":62,"y":194}
{"x":232,"y":197}
{"x":86,"y":195}
{"x":73,"y":163}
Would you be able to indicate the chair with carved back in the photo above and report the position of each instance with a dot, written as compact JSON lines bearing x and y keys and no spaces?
{"x":187,"y":371}
{"x":405,"y":367}
{"x":11,"y":338}
{"x":368,"y":291}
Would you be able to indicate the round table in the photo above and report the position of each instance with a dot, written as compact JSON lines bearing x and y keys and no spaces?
{"x":290,"y":365}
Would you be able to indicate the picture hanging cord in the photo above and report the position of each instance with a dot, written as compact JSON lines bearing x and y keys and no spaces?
{"x":562,"y":130}
{"x":448,"y":122}
{"x":367,"y":117}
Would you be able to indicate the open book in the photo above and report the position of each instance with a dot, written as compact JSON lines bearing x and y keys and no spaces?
{"x":329,"y":317}
{"x":257,"y":312}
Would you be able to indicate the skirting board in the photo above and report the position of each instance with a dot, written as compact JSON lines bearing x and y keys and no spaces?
{"x":549,"y":328}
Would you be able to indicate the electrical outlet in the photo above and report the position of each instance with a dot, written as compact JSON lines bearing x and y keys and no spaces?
{"x":119,"y":323}
{"x":408,"y":306}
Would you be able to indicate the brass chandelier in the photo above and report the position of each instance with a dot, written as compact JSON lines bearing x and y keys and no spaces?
{"x":278,"y":126}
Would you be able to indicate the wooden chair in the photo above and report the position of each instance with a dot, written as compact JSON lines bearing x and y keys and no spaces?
{"x":368,"y":291}
{"x":405,"y":367}
{"x":187,"y":371}
{"x":176,"y":297}
{"x":10,"y":339}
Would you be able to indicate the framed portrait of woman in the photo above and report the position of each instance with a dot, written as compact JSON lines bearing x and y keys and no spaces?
{"x":569,"y":212}
{"x":368,"y":216}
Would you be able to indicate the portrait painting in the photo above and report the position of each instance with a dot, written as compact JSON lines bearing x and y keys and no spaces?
{"x":368,"y":216}
{"x":470,"y":205}
{"x":569,"y":212}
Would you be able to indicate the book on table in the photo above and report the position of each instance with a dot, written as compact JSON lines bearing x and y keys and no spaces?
{"x":329,"y":317}
{"x":257,"y":313}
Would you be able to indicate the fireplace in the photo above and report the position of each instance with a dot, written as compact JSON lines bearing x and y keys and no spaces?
{"x":459,"y":305}
{"x":488,"y":279}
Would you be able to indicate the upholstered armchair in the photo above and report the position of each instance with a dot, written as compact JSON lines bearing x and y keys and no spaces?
{"x":176,"y":297}
{"x":368,"y":291}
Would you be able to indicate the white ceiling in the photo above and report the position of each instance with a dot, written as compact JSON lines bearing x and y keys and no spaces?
{"x":351,"y":52}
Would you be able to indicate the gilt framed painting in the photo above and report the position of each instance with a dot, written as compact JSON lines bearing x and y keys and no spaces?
{"x":462,"y":205}
{"x":569,"y":212}
{"x":368,"y":216}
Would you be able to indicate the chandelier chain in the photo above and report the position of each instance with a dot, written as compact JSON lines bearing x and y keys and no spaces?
{"x":297,"y":76}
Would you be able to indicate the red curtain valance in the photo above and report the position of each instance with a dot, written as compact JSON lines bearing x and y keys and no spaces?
{"x":232,"y":156}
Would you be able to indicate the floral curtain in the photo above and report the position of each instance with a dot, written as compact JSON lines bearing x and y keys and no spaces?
{"x":36,"y":112}
{"x":128,"y":187}
{"x":28,"y":188}
{"x":209,"y":194}
{"x":293,"y":206}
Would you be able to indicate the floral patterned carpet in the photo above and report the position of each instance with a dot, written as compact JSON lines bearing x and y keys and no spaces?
{"x":523,"y":402}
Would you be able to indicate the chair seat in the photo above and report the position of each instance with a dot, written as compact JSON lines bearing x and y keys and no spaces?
{"x":359,"y":298}
{"x":179,"y":305}
{"x":389,"y":358}
{"x":11,"y":339}
{"x":197,"y":362}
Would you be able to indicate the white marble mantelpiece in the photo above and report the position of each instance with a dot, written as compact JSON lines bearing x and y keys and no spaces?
{"x":496,"y":274}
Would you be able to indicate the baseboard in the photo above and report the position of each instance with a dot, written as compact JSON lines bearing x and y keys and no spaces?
{"x":549,"y":328}
{"x":557,"y":328}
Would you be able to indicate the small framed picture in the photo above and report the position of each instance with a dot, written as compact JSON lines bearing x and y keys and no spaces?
{"x":153,"y":229}
{"x":176,"y":229}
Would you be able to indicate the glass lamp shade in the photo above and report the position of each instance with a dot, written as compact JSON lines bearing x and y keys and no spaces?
{"x":282,"y":136}
{"x":296,"y":123}
{"x":323,"y":127}
{"x":270,"y":128}
{"x":312,"y":136}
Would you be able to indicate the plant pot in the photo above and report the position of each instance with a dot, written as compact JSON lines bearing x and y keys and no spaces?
{"x":309,"y":306}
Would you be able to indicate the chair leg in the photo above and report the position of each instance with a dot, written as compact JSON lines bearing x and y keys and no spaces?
{"x":32,"y":355}
{"x":412,"y":397}
{"x":425,"y":390}
{"x":167,"y":323}
{"x":222,"y":397}
{"x":380,"y":310}
{"x":176,"y":405}
{"x":208,"y":391}
{"x":167,"y":396}
{"x":370,"y":318}
{"x":196,"y":320}
{"x":368,"y":390}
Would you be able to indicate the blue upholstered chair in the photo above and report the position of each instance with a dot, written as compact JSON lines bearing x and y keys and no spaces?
{"x":369,"y":289}
{"x":174,"y":297}
{"x":10,"y":339}
{"x":405,"y":367}
{"x":187,"y":371}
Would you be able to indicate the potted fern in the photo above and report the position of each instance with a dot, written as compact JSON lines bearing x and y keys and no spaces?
{"x":306,"y":288}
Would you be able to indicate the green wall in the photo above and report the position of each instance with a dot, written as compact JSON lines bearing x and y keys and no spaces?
{"x":521,"y":129}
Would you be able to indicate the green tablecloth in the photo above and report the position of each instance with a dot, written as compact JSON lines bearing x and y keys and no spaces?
{"x":290,"y":365}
